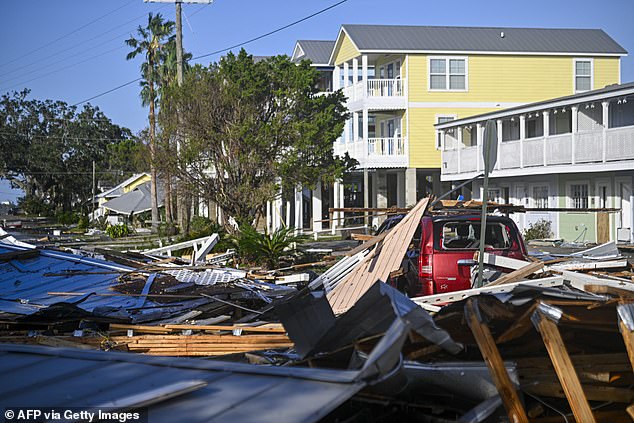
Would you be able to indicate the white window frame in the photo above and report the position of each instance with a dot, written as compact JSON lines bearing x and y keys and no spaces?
{"x":440,"y":146}
{"x":574,"y":73}
{"x":447,"y":75}
{"x":569,"y":199}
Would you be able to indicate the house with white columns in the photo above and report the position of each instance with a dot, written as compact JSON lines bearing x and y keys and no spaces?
{"x":565,"y":156}
{"x":402,"y":80}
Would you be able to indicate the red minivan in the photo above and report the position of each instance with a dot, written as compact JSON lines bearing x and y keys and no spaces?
{"x":446,"y":245}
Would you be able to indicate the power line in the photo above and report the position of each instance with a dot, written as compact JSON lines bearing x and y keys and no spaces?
{"x":64,"y":137}
{"x":225,"y":49}
{"x":271,"y":32}
{"x":68,"y":34}
{"x":78,"y":53}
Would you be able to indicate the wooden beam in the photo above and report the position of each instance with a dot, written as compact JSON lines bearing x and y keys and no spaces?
{"x":494,"y":362}
{"x":519,"y":274}
{"x":19,"y":255}
{"x":563,"y":367}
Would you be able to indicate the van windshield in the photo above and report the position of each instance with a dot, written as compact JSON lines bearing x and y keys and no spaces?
{"x":465,"y":235}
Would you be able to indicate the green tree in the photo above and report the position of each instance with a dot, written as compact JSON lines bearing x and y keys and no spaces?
{"x":151,"y":42}
{"x":47,"y":149}
{"x":249,"y":126}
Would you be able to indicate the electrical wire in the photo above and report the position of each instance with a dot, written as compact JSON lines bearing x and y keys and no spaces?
{"x":68,"y":34}
{"x":63,"y":137}
{"x":224,"y":49}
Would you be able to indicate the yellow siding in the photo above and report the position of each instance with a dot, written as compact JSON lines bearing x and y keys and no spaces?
{"x":606,"y":71}
{"x":491,"y":79}
{"x":345,"y":50}
{"x":143,"y":179}
{"x":422,"y":135}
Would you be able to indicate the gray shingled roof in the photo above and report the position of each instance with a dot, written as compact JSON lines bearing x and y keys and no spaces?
{"x":317,"y":51}
{"x":525,"y":40}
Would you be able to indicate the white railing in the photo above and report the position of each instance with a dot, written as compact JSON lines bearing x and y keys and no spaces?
{"x":619,"y":143}
{"x":469,"y":159}
{"x":533,"y":152}
{"x":385,"y":87}
{"x":588,"y":146}
{"x":392,"y":146}
{"x":376,"y":152}
{"x":510,"y":154}
{"x":559,"y":149}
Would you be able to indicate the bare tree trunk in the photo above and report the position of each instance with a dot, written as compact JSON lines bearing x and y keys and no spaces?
{"x":153,"y":173}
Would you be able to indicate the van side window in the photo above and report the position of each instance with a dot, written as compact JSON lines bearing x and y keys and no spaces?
{"x":465,"y":235}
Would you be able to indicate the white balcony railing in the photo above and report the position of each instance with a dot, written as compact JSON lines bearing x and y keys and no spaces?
{"x":393,"y":146}
{"x":376,"y":152}
{"x":376,"y":88}
{"x":580,"y":148}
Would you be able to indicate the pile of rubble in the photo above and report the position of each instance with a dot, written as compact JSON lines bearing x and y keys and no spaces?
{"x":549,"y":339}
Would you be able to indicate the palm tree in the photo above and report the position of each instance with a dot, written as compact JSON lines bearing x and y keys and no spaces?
{"x":152,"y":42}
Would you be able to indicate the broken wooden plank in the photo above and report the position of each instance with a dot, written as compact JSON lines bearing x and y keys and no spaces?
{"x":494,"y":362}
{"x":19,"y":255}
{"x":501,"y":261}
{"x":592,"y":393}
{"x":572,"y":265}
{"x":519,"y":274}
{"x":562,"y":363}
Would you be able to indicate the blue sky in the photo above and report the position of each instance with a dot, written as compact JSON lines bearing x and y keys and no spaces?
{"x":36,"y":53}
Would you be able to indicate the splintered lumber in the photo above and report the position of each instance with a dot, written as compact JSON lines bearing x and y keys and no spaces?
{"x":19,"y":255}
{"x":501,"y":261}
{"x":165,"y":329}
{"x":378,"y":264}
{"x":592,"y":393}
{"x":201,"y":345}
{"x":571,"y":265}
{"x":563,"y":366}
{"x":494,"y":362}
{"x":519,"y":274}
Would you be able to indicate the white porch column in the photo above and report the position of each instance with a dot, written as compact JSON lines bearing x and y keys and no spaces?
{"x":479,"y":132}
{"x":606,"y":110}
{"x":460,"y":146}
{"x":317,"y":207}
{"x":278,"y":215}
{"x":355,"y":70}
{"x":573,"y":135}
{"x":346,"y":131}
{"x":365,"y":134}
{"x":546,"y":115}
{"x":288,"y":214}
{"x":336,"y":78}
{"x":410,"y":186}
{"x":346,"y":74}
{"x":355,"y":126}
{"x":522,"y":138}
{"x":366,"y":195}
{"x":364,"y":74}
{"x":335,"y":203}
{"x":499,"y":130}
{"x":298,"y":209}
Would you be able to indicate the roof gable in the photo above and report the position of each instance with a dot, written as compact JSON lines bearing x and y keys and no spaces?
{"x":385,"y":38}
{"x":317,"y":51}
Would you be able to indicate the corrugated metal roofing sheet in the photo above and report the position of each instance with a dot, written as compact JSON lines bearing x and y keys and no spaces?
{"x":445,"y":38}
{"x":35,"y":376}
{"x":25,"y":284}
{"x":317,"y":51}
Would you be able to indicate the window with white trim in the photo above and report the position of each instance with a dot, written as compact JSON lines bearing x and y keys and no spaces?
{"x":583,"y":75}
{"x":447,"y":74}
{"x":441,"y":119}
{"x":540,"y":196}
{"x":579,"y":196}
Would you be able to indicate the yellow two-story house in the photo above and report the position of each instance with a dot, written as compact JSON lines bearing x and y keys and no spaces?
{"x":402,"y":80}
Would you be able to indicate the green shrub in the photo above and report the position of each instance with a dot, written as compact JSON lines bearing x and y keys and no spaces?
{"x":264,"y":249}
{"x":167,"y":229}
{"x":538,"y":230}
{"x":83,"y":222}
{"x":34,"y":206}
{"x":118,"y":231}
{"x":67,"y":218}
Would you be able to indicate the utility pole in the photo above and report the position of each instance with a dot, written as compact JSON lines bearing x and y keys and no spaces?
{"x":179,"y":43}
